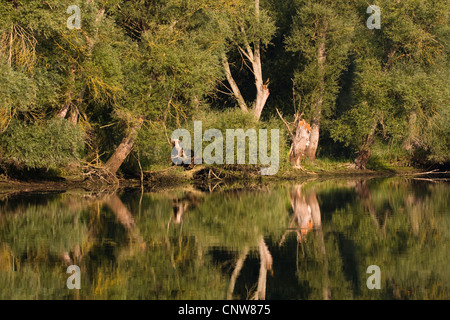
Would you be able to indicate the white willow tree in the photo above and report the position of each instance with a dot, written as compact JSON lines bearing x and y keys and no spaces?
{"x":246,"y":28}
{"x":321,"y":33}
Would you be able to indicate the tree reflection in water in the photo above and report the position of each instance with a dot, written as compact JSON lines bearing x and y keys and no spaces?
{"x":306,"y":217}
{"x":306,"y":241}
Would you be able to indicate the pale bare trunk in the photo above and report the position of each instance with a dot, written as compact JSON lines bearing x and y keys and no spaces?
{"x":254,"y":56}
{"x":262,"y":92}
{"x":61,"y":114}
{"x":311,"y":149}
{"x":311,"y":199}
{"x":179,"y":208}
{"x":299,"y":142}
{"x":307,"y":214}
{"x":302,"y":215}
{"x":234,"y":87}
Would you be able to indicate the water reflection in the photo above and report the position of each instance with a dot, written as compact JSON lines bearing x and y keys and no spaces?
{"x":304,"y":241}
{"x":306,"y":217}
{"x":181,"y":204}
{"x":306,"y":213}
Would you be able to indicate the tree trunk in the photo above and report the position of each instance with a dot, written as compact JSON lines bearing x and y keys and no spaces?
{"x":124,"y":149}
{"x":415,"y":209}
{"x":75,"y":110}
{"x":315,"y":121}
{"x":311,"y":149}
{"x":234,"y":87}
{"x":262,"y":92}
{"x":73,"y":115}
{"x":365,"y":149}
{"x":363,"y":158}
{"x":254,"y":56}
{"x":299,"y":143}
{"x":62,"y":113}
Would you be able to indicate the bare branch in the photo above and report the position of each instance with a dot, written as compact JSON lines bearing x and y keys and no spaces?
{"x":285,"y":123}
{"x":247,"y":46}
{"x":244,"y":53}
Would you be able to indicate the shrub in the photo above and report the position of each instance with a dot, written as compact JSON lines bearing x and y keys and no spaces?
{"x":49,"y":144}
{"x":155,"y":150}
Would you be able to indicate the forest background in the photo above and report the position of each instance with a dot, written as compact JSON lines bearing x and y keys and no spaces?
{"x":106,"y":96}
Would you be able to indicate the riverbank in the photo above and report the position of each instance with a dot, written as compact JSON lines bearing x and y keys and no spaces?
{"x":202,"y":176}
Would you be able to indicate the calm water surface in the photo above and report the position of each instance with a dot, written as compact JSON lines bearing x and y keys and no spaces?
{"x":312,"y":240}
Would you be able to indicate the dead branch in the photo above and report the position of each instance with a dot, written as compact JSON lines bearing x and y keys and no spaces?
{"x":436,"y":171}
{"x":285,"y":123}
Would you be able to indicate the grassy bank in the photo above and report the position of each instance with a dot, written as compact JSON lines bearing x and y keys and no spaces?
{"x":202,"y":176}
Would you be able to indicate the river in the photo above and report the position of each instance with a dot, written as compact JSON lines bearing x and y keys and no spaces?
{"x":352,"y":238}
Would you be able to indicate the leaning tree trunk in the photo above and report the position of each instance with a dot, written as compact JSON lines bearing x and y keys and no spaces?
{"x":365,"y":149}
{"x":124,"y":149}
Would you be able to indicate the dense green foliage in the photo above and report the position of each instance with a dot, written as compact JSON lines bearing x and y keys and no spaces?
{"x":382,"y":90}
{"x":45,"y":145}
